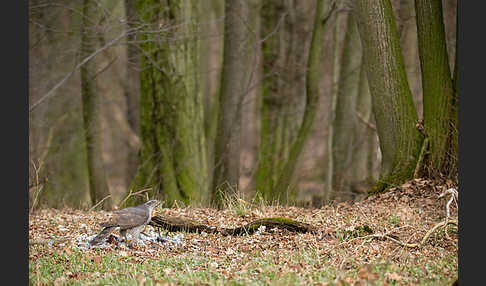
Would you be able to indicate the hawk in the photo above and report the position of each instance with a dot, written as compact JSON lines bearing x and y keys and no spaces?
{"x":131,"y":220}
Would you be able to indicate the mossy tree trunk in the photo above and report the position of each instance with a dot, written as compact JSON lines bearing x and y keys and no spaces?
{"x":393,"y":106}
{"x":272,"y":149}
{"x":234,"y":83}
{"x":282,"y":102}
{"x":454,"y":139}
{"x":98,"y":186}
{"x":438,"y":93}
{"x":172,"y":158}
{"x":313,"y":74}
{"x":345,"y":121}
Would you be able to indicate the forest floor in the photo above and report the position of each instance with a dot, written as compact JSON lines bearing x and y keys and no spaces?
{"x":346,"y":250}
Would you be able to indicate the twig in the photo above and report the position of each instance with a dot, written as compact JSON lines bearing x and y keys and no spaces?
{"x":36,"y":196}
{"x":420,"y":160}
{"x":99,"y":203}
{"x":379,"y":235}
{"x":442,"y":223}
{"x":453,"y":192}
{"x":106,"y":67}
{"x":368,"y":124}
{"x":376,"y":235}
{"x":134,"y":194}
{"x":37,"y":183}
{"x":276,"y":28}
{"x":85,"y":60}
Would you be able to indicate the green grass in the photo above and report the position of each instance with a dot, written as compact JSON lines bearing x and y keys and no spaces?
{"x":304,"y":268}
{"x":395,"y":221}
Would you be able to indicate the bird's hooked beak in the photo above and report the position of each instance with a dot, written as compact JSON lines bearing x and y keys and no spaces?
{"x":154,"y":203}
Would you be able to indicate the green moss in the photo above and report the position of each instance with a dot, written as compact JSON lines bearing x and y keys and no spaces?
{"x":279,"y":219}
{"x":358,"y":231}
{"x":173,"y":151}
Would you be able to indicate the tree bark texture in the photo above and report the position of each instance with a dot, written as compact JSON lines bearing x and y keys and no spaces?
{"x":395,"y":114}
{"x":407,"y":30}
{"x":172,"y":157}
{"x":453,"y":145}
{"x":437,"y":86}
{"x":233,"y":88}
{"x":98,"y":186}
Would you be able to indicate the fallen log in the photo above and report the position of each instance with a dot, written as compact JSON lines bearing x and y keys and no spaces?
{"x":182,"y":224}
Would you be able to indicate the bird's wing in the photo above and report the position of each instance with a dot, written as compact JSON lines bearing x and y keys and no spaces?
{"x":130,"y":217}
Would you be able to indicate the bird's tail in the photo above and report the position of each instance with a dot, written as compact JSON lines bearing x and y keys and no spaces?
{"x":104,"y":233}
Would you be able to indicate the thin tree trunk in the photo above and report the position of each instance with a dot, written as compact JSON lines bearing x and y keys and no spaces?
{"x":251,"y":103}
{"x":437,"y":86}
{"x":233,"y":88}
{"x":345,"y":119}
{"x":332,"y":111}
{"x":393,"y":106}
{"x":211,"y":100}
{"x":98,"y":186}
{"x":132,"y":90}
{"x":283,"y":186}
{"x":364,"y":148}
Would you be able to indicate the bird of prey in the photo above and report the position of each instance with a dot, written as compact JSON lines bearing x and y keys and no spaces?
{"x":131,"y":220}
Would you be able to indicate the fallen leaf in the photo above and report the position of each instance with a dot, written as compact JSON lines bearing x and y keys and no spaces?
{"x":97,"y":259}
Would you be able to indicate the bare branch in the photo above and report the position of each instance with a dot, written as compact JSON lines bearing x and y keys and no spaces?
{"x":50,"y":93}
{"x":364,"y":121}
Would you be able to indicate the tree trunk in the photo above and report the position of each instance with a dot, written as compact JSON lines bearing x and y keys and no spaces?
{"x":364,"y":147}
{"x":283,"y":186}
{"x":332,"y":111}
{"x":233,"y":88}
{"x":214,"y":61}
{"x":251,"y":104}
{"x":98,"y":186}
{"x":272,"y":142}
{"x":454,"y":139}
{"x":437,"y":86}
{"x":395,"y":114}
{"x":408,"y":40}
{"x":132,"y":90}
{"x":345,"y":119}
{"x":282,"y":102}
{"x":172,"y":157}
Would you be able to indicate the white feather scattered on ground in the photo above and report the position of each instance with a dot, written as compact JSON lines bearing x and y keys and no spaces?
{"x":151,"y":239}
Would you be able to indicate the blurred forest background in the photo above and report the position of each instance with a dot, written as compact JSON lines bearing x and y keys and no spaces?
{"x":195,"y":102}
